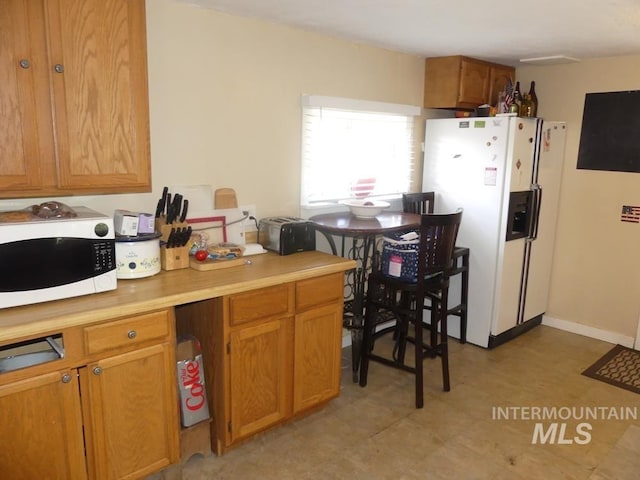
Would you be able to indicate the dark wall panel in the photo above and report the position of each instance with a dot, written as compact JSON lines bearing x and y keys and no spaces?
{"x":610,"y":136}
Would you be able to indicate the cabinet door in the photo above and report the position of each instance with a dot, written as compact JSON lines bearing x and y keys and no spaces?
{"x":474,"y":83}
{"x":260,"y":359}
{"x":318,"y":345}
{"x":41,"y":428}
{"x":499,"y":76}
{"x":26,"y":135}
{"x":99,"y":83}
{"x":130,"y":413}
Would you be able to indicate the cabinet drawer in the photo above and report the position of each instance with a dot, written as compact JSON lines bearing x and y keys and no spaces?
{"x":260,"y":304}
{"x":127,"y":332}
{"x":317,"y":291}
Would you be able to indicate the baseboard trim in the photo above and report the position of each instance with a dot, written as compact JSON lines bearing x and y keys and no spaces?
{"x":578,"y":328}
{"x":587,"y":331}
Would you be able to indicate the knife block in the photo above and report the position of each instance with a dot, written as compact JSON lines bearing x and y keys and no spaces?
{"x":165,"y":228}
{"x":174,"y":258}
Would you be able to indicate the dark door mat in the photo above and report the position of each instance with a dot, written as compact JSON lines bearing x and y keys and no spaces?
{"x":620,"y":367}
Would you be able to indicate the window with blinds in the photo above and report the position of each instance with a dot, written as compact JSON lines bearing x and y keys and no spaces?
{"x":354,"y":149}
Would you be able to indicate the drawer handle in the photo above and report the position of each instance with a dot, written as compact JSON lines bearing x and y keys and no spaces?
{"x":132,"y":334}
{"x":24,"y":63}
{"x":66,"y":378}
{"x":97,"y":370}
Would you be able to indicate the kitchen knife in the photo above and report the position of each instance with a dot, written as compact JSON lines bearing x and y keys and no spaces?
{"x":168,"y":206}
{"x":185,"y":208}
{"x":169,"y":242}
{"x":183,"y":237}
{"x":175,"y":208}
{"x":162,"y":202}
{"x":159,"y":208}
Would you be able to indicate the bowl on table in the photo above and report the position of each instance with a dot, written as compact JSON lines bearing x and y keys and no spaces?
{"x":366,"y":208}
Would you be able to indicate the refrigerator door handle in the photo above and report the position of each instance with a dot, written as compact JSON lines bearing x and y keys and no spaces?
{"x":535,"y":211}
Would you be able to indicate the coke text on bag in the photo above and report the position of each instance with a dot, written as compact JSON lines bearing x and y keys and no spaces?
{"x":193,"y":395}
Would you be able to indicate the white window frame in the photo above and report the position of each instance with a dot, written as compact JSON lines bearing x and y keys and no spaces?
{"x":335,"y":169}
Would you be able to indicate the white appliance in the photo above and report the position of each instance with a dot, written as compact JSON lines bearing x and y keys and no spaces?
{"x":43,"y":259}
{"x":505,"y":173}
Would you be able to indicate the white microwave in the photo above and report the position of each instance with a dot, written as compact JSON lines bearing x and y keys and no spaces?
{"x":55,"y":258}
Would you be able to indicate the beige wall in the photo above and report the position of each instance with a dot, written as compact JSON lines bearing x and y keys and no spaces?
{"x":225,"y":97}
{"x":596,"y":269}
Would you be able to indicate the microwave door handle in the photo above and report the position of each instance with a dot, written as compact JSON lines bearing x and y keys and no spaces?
{"x":535,"y":211}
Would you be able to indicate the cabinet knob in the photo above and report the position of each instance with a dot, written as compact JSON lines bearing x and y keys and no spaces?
{"x":97,"y":370}
{"x":66,"y":378}
{"x":132,"y":334}
{"x":59,"y":68}
{"x":24,"y":63}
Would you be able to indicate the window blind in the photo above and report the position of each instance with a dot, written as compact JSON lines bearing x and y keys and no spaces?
{"x":354,"y":148}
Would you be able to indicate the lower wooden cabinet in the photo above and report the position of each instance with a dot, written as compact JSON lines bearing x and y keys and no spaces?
{"x":259,"y":368}
{"x":41,"y":428}
{"x":317,"y":353}
{"x":113,"y":416}
{"x":270,"y":354}
{"x":130,"y":405}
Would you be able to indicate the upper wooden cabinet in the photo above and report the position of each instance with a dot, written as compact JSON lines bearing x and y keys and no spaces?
{"x":74,"y":98}
{"x":463,"y":82}
{"x":499,"y":75}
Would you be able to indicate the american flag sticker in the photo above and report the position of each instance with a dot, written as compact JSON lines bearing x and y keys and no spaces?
{"x":630,"y":214}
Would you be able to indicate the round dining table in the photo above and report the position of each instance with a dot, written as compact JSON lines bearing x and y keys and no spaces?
{"x":358,"y":239}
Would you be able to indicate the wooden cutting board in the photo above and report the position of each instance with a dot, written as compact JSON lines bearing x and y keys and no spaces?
{"x":215,"y":264}
{"x":225,"y":198}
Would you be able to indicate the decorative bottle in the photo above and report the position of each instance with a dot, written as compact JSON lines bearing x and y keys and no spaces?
{"x":533,"y":99}
{"x":526,"y":108}
{"x":517,"y":98}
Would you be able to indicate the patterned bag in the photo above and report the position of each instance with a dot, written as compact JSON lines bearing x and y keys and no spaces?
{"x":400,"y":256}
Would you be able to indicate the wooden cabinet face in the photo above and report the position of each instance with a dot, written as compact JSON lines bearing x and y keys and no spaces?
{"x":131,"y":407}
{"x":259,"y":304}
{"x":474,"y":83}
{"x":260,"y":359}
{"x":318,"y":345}
{"x":41,"y":424}
{"x":498,"y":79}
{"x":100,"y":92}
{"x":80,"y":66}
{"x":463,"y":82}
{"x":319,"y":291}
{"x":26,"y":135}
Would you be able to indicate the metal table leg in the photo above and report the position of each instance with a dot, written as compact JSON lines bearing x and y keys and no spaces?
{"x":362,"y":250}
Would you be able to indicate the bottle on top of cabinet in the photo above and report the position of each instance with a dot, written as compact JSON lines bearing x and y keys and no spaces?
{"x":517,"y":98}
{"x":533,"y":99}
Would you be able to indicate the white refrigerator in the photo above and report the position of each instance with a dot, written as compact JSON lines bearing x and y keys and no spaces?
{"x":505,"y":173}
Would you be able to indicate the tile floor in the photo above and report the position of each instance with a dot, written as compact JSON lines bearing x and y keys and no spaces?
{"x":376,"y":433}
